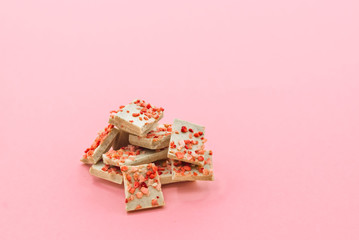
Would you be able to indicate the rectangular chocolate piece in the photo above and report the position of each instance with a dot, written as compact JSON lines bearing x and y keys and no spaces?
{"x":142,"y":187}
{"x":187,"y":142}
{"x":107,"y":172}
{"x":157,"y":138}
{"x":186,"y":171}
{"x":136,"y":118}
{"x":102,"y":144}
{"x":133,"y":155}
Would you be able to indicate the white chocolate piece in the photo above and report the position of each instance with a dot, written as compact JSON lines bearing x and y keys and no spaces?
{"x":187,"y":142}
{"x":110,"y":173}
{"x":121,"y":140}
{"x":157,"y":138}
{"x":105,"y":142}
{"x":165,"y":171}
{"x":133,"y":155}
{"x":186,"y":171}
{"x":136,"y":118}
{"x":142,"y":187}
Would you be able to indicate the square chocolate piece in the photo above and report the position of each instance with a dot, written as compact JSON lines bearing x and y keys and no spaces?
{"x":142,"y":187}
{"x":107,"y":172}
{"x":187,"y":142}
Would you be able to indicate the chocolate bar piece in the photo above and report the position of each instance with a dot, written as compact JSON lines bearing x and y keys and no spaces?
{"x":107,"y":172}
{"x":102,"y":144}
{"x":187,"y":142}
{"x":142,"y":187}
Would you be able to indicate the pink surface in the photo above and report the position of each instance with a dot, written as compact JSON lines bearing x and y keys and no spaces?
{"x":274,"y":82}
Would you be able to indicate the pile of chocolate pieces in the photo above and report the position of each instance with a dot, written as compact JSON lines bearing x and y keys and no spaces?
{"x":138,"y":151}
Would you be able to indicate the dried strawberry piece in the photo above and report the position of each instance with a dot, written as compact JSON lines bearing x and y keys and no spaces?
{"x":124,"y":168}
{"x":187,"y":168}
{"x":179,"y":155}
{"x":184,"y":129}
{"x":105,"y":168}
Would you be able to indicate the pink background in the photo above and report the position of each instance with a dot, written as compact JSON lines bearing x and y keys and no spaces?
{"x":276,"y":83}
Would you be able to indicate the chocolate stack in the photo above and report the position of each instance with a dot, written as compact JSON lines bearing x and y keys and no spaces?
{"x":135,"y":149}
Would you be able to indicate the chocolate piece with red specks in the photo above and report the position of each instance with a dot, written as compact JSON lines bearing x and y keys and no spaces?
{"x":142,"y":187}
{"x":102,"y":144}
{"x":136,"y":118}
{"x":133,"y":155}
{"x":157,"y":138}
{"x":107,"y":172}
{"x":187,"y":142}
{"x":186,"y":171}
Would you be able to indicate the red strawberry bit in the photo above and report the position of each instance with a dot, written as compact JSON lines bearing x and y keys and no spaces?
{"x":179,"y":155}
{"x":190,"y":130}
{"x":105,"y":168}
{"x":129,"y":178}
{"x":196,"y":135}
{"x":139,"y":195}
{"x":135,"y":114}
{"x":200,"y":158}
{"x":124,"y":168}
{"x":172,"y":145}
{"x":184,"y":129}
{"x":187,"y":168}
{"x":154,"y":202}
{"x":144,"y":190}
